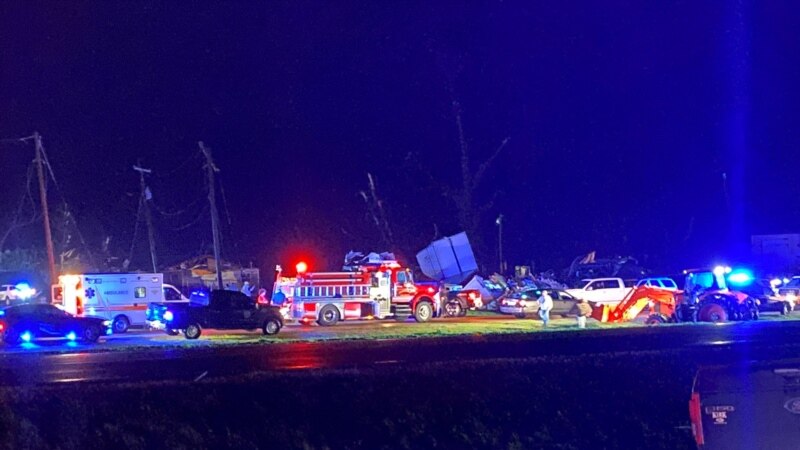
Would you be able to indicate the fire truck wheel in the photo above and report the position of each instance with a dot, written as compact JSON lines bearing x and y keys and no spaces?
{"x":192,"y":331}
{"x":712,"y":312}
{"x":328,"y":316}
{"x":423,"y":312}
{"x":120,"y":324}
{"x":271,"y":327}
{"x":91,"y":334}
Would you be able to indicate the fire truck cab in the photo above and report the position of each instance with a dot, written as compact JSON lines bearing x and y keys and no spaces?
{"x":375,"y":289}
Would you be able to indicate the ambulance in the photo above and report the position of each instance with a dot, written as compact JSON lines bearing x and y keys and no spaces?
{"x":121,"y":298}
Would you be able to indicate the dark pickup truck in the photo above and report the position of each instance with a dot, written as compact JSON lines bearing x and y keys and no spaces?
{"x":222,"y":310}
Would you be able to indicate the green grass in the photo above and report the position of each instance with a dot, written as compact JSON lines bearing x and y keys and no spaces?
{"x":379,"y":330}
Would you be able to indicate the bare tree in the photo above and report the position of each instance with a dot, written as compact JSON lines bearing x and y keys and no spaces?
{"x":378,"y":213}
{"x":464,"y":197}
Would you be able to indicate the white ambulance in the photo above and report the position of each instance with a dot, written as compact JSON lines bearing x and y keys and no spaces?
{"x":121,"y":298}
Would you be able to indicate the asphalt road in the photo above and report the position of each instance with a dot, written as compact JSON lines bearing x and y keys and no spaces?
{"x":738,"y":341}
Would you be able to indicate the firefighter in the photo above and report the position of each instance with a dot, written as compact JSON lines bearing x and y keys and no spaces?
{"x":444,"y":292}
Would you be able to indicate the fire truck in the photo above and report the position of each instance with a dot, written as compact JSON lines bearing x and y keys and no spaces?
{"x":376,"y":287}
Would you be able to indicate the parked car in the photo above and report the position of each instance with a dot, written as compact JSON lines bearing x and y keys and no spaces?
{"x":11,"y":293}
{"x":221,"y":309}
{"x":29,"y":322}
{"x":790,"y":291}
{"x":659,"y":282}
{"x":525,"y":302}
{"x":601,"y":290}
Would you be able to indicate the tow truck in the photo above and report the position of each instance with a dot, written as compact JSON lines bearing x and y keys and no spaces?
{"x":375,"y":286}
{"x":705,"y":298}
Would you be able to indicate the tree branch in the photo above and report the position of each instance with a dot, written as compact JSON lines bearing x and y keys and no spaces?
{"x":488,"y":163}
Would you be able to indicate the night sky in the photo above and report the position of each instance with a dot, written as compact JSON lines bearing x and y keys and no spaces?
{"x":664,"y":130}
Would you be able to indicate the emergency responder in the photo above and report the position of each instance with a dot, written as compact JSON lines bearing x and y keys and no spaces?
{"x":444,"y":293}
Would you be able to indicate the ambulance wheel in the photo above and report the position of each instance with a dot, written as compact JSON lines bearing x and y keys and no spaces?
{"x":328,"y":316}
{"x":192,"y":331}
{"x":91,"y":334}
{"x":272,"y":327}
{"x":423,"y":312}
{"x":120,"y":324}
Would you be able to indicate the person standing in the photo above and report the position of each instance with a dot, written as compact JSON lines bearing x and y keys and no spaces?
{"x":545,"y":305}
{"x":247,"y":289}
{"x":584,"y":311}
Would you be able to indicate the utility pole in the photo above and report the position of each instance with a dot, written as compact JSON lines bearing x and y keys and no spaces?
{"x":211,"y":170}
{"x":148,"y":217}
{"x":48,"y":236}
{"x":499,"y":223}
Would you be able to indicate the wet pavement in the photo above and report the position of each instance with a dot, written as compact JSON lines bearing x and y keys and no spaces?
{"x":141,"y":356}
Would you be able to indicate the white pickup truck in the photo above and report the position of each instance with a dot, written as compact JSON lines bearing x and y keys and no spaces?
{"x":601,"y":290}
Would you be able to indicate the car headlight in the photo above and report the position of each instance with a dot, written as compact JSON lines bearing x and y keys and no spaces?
{"x":106,"y":323}
{"x":792,"y":297}
{"x":168,"y":316}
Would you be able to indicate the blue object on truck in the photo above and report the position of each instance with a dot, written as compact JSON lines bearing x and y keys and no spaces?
{"x":450,"y":259}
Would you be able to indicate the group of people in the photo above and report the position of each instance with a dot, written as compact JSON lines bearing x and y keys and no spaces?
{"x":584,"y":310}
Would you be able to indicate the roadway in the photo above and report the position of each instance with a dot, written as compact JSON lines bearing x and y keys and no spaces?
{"x":177,"y":359}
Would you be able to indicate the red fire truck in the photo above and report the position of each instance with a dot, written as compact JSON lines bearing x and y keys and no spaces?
{"x":376,"y":288}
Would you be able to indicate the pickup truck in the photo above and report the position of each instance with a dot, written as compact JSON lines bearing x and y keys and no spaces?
{"x":221,"y":310}
{"x":608,"y":291}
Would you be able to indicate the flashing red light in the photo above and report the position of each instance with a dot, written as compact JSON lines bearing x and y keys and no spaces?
{"x":2,"y":326}
{"x":301,"y":267}
{"x":472,"y":296}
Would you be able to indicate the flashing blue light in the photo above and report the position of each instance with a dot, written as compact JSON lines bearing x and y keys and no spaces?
{"x":26,"y":336}
{"x":168,"y":316}
{"x":109,"y":331}
{"x":740,"y":277}
{"x":71,"y":336}
{"x":2,"y":312}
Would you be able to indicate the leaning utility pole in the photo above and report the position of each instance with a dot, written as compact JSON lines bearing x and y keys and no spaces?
{"x":211,"y":170}
{"x":148,"y":217}
{"x":48,"y":236}
{"x":499,"y":223}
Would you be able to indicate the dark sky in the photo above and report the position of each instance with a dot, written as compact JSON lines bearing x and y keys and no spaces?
{"x":622,"y":117}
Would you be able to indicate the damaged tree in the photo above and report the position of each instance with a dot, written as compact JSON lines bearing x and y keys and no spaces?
{"x":378,"y":213}
{"x":469,"y":210}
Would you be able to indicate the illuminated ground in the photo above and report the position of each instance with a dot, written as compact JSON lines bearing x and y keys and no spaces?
{"x":482,"y":323}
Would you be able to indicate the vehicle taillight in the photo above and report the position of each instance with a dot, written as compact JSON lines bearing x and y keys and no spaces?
{"x":696,"y":417}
